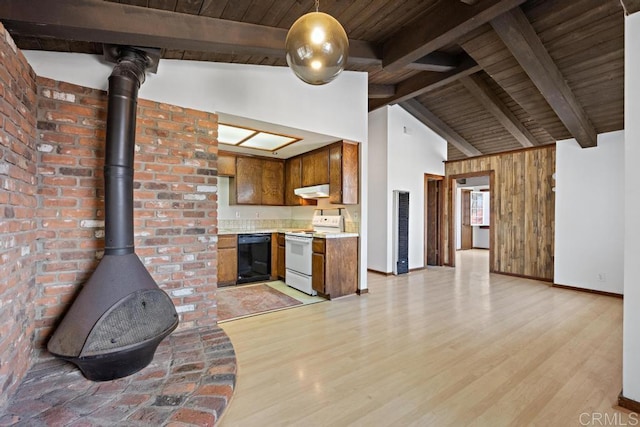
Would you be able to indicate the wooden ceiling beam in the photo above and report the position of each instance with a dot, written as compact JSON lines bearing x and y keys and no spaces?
{"x":107,"y":22}
{"x":426,"y":81}
{"x":630,"y":6}
{"x":524,"y":44}
{"x":435,"y":61}
{"x":442,"y":24}
{"x":487,"y":97}
{"x":434,"y":123}
{"x":381,"y":91}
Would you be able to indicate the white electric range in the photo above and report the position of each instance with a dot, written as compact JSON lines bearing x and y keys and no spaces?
{"x":298,"y":251}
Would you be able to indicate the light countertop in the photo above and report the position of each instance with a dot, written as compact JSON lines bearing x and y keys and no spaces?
{"x":223,"y":231}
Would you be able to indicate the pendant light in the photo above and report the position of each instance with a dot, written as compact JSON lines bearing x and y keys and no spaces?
{"x":317,"y":47}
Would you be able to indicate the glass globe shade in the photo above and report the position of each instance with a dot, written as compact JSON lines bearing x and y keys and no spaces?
{"x":317,"y":48}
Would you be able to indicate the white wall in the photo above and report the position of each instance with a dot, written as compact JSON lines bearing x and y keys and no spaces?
{"x":379,"y":236}
{"x":270,"y":94}
{"x":412,"y":150}
{"x":589,"y":232}
{"x":631,"y":328}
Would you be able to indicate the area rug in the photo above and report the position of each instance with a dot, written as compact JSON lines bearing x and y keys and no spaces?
{"x":246,"y":300}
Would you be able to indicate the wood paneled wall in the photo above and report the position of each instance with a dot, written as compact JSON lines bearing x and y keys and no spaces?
{"x":522,"y":209}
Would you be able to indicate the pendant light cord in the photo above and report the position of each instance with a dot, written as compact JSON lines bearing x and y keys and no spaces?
{"x":317,"y":5}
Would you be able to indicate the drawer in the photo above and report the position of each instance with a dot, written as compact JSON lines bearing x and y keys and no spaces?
{"x":227,"y":241}
{"x":318,"y":245}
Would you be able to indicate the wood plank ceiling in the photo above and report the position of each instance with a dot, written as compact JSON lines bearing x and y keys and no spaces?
{"x":488,"y":75}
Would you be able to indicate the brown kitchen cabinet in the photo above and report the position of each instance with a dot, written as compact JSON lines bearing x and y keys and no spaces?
{"x":227,"y":259}
{"x":280,"y":264}
{"x":315,"y":167}
{"x":293,"y":180}
{"x":272,"y":183}
{"x":258,"y":181}
{"x":226,"y":164}
{"x":343,"y":173}
{"x":334,"y":266}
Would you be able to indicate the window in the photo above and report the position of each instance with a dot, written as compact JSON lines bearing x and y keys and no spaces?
{"x":480,"y":208}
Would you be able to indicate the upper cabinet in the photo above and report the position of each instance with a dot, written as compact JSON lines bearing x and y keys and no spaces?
{"x":258,"y":181}
{"x":293,"y":180}
{"x":343,"y":173}
{"x":272,"y":182}
{"x":226,"y":164}
{"x":263,"y":181}
{"x":315,"y":167}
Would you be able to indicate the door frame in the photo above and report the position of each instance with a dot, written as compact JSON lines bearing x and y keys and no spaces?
{"x":440,"y":241}
{"x":451,"y":214}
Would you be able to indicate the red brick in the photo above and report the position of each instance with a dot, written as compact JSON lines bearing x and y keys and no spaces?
{"x":194,"y":417}
{"x":78,"y":110}
{"x":225,"y":391}
{"x":60,"y":117}
{"x":170,"y":125}
{"x":57,"y":137}
{"x":53,"y":159}
{"x":172,"y":108}
{"x":155,"y":114}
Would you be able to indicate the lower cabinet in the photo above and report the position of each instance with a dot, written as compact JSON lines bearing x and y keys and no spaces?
{"x":227,"y":259}
{"x":280,"y":264}
{"x":334,"y":265}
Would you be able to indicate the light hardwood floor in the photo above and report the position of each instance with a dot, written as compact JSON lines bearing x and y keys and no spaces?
{"x":433,"y":348}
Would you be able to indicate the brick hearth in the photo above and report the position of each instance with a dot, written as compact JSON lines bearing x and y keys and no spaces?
{"x":189,"y":382}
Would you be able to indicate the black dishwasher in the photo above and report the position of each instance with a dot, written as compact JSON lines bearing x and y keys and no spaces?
{"x":254,"y":257}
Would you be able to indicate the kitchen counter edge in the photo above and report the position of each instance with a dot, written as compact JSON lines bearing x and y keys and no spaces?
{"x":286,"y":230}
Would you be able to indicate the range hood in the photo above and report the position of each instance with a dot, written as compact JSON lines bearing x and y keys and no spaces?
{"x":313,"y":192}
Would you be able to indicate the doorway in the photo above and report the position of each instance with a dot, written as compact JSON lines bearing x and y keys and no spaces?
{"x":433,"y":220}
{"x":470,"y":209}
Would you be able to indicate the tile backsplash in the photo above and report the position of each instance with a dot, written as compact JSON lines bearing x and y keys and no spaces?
{"x":271,"y":224}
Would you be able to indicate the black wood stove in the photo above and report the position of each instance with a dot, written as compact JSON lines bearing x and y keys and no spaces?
{"x":120,"y":316}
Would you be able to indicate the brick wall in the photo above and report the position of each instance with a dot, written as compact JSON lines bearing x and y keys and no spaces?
{"x":18,"y":201}
{"x":175,"y":200}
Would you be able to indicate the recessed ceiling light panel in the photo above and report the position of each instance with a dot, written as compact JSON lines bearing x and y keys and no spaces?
{"x":233,"y":135}
{"x":268,"y":141}
{"x":251,"y":138}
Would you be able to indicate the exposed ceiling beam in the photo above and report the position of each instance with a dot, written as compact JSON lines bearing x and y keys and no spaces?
{"x":524,"y":44}
{"x":630,"y":6}
{"x":107,"y":22}
{"x":381,"y":91}
{"x":487,"y":97}
{"x":434,"y":123}
{"x":435,"y":61}
{"x":442,"y":24}
{"x":426,"y":81}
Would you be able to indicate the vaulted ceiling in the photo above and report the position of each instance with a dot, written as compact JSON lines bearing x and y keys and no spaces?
{"x":487,"y":75}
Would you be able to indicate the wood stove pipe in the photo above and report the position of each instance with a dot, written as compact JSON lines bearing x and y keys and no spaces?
{"x":124,"y":82}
